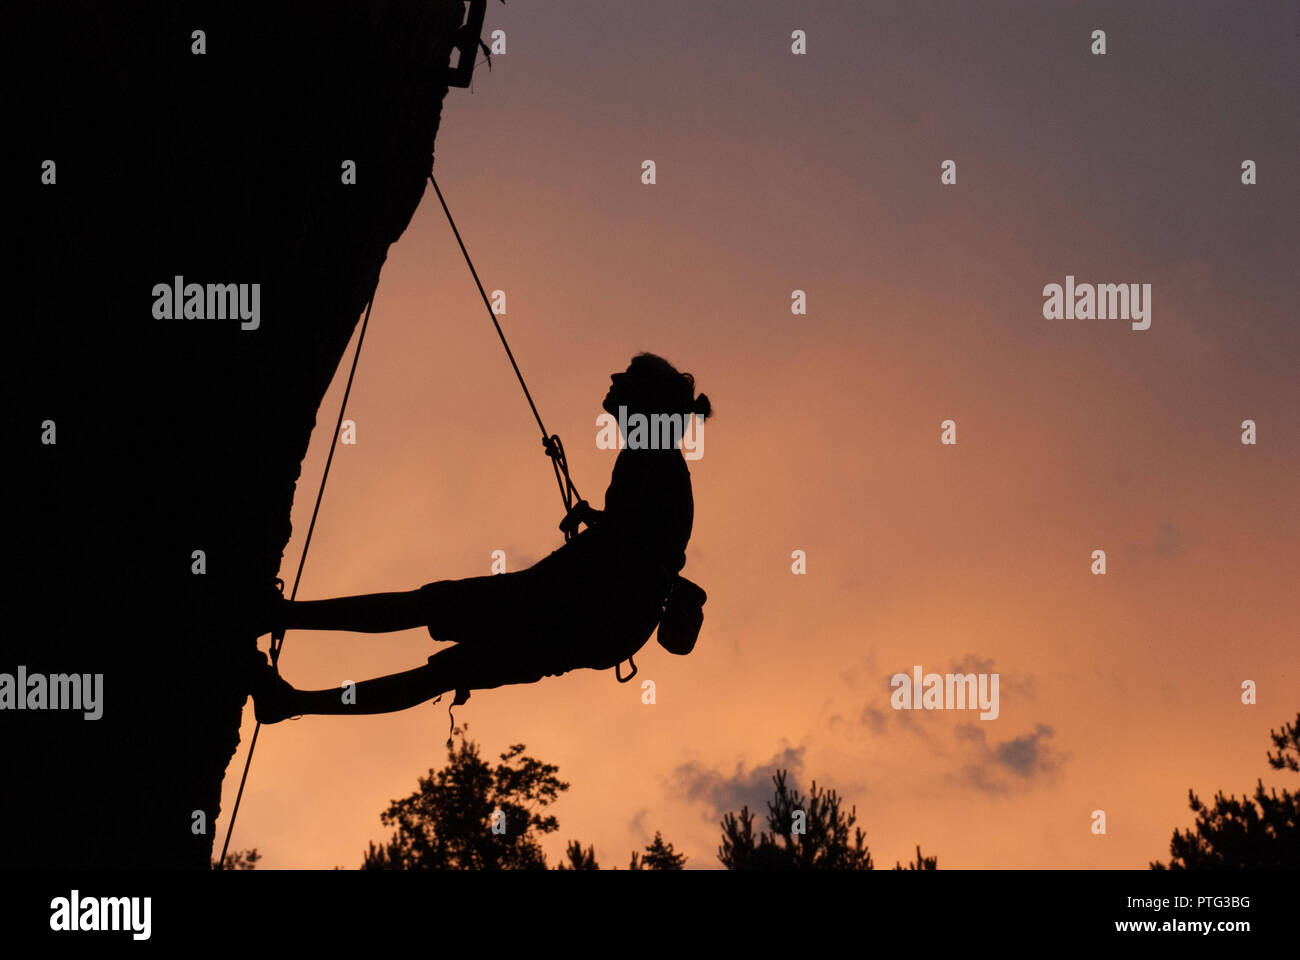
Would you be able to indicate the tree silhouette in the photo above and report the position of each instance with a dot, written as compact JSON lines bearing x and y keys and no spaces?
{"x":658,"y":856}
{"x":920,"y":863}
{"x":578,"y":858}
{"x":804,"y":833}
{"x":1245,"y":834}
{"x":239,"y":860}
{"x":469,"y":816}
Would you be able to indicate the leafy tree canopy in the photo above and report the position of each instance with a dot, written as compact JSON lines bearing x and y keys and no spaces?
{"x":472,"y":816}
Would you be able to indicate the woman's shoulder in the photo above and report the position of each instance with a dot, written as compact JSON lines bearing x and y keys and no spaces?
{"x":651,"y":461}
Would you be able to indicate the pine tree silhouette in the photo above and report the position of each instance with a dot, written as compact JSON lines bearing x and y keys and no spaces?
{"x":1247,"y":834}
{"x":804,"y":833}
{"x":658,"y":856}
{"x":920,"y":863}
{"x":578,"y":858}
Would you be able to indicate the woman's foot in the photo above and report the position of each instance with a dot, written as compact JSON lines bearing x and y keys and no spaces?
{"x":272,"y":695}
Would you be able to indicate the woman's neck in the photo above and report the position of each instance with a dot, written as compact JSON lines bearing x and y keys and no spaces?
{"x":642,"y":451}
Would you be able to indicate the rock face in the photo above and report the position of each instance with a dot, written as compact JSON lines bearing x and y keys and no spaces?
{"x":183,"y":434}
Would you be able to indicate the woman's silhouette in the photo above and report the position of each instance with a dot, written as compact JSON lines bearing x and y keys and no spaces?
{"x":592,"y":603}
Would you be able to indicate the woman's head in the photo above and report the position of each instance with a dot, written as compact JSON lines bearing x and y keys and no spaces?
{"x":653,"y":385}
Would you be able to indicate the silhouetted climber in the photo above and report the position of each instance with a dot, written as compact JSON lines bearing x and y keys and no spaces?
{"x":592,"y":603}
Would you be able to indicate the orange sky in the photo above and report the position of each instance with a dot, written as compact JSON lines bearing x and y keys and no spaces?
{"x":821,"y":173}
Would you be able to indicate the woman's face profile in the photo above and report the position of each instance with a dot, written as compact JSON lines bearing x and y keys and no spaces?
{"x":617,"y":395}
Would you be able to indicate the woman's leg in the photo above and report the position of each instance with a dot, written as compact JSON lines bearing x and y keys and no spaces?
{"x":457,"y":668}
{"x":453,"y":610}
{"x":274,"y":700}
{"x":370,"y":613}
{"x":397,"y":691}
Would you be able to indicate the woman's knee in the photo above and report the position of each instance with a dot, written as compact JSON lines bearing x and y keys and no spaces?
{"x":467,"y":668}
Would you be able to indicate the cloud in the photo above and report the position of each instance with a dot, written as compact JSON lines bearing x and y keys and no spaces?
{"x":875,"y":718}
{"x":972,"y":663}
{"x":1027,"y":755}
{"x":876,"y":714}
{"x":864,"y":668}
{"x":722,"y":794}
{"x":1009,"y":765}
{"x":1019,"y":686}
{"x":1167,"y":541}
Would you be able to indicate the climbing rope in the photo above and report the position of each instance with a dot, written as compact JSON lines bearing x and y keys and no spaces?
{"x":550,"y":442}
{"x":277,"y":638}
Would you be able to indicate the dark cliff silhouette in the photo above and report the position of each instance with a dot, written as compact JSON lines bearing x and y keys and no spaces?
{"x":185,"y":434}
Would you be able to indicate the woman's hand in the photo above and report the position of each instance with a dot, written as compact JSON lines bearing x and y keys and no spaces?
{"x":581,"y":512}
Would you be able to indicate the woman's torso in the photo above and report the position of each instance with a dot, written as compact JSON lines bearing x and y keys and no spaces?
{"x":614,"y":575}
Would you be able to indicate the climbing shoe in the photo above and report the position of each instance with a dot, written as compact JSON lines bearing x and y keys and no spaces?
{"x":270,"y":693}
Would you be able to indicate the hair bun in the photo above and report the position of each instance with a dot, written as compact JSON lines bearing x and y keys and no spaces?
{"x":702,"y":407}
